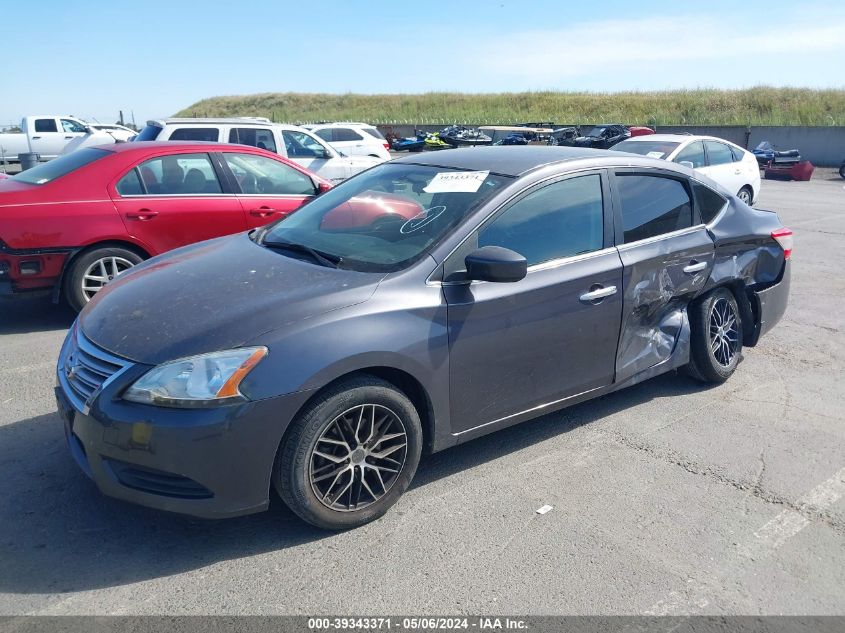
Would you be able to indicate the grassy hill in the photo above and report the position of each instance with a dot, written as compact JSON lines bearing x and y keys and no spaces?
{"x":762,"y":105}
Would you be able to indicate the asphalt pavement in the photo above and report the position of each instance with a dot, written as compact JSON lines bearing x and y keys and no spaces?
{"x":667,"y":497}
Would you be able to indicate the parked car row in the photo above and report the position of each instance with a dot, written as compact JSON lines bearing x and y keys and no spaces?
{"x":513,"y":281}
{"x":295,"y":143}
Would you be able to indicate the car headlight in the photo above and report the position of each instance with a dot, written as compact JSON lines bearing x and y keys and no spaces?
{"x":197,"y":381}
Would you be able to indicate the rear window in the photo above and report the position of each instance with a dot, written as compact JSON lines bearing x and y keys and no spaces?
{"x":373,"y":132}
{"x":195,"y":134}
{"x":149,"y":133}
{"x":652,"y":149}
{"x":61,"y":166}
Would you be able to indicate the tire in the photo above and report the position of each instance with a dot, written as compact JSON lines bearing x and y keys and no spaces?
{"x":114,"y":260}
{"x":745,"y":194}
{"x":706,"y":316}
{"x":842,"y":170}
{"x":330,"y":493}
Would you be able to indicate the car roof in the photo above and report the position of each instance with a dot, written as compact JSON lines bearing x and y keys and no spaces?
{"x":207,"y":120}
{"x":676,"y":138}
{"x":518,"y":160}
{"x":197,"y":145}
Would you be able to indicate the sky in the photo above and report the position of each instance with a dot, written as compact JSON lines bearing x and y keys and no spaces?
{"x":93,"y":58}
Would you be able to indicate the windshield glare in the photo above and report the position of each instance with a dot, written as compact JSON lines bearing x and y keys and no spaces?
{"x":652,"y":149}
{"x":389,"y":216}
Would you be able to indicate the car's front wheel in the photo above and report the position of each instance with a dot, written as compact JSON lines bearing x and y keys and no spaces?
{"x":93,"y":269}
{"x":716,"y":331}
{"x":350,"y":455}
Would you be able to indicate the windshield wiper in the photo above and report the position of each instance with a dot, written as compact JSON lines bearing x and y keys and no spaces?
{"x":322,"y":257}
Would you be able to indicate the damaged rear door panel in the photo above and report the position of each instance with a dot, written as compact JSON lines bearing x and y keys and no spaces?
{"x":667,"y":256}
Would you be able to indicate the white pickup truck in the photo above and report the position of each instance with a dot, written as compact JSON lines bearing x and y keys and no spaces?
{"x":50,"y":136}
{"x":295,"y":143}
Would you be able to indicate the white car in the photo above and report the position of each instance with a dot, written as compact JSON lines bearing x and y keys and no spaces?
{"x":731,"y":166}
{"x":298,"y":144}
{"x":119,"y":133}
{"x":353,"y":139}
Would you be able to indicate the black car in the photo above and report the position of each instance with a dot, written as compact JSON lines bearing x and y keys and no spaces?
{"x":425,"y":302}
{"x":603,"y":136}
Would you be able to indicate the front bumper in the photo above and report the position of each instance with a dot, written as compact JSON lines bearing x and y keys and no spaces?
{"x":209,"y":463}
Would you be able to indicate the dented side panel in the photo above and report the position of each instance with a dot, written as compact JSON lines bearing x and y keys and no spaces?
{"x":658,"y":284}
{"x":745,"y":250}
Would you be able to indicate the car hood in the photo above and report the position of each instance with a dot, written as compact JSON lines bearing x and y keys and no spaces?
{"x":214,"y":295}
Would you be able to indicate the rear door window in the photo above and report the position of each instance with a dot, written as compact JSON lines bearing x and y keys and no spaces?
{"x":693,"y":153}
{"x":373,"y":132}
{"x":559,"y":220}
{"x":325,"y":134}
{"x":262,"y":138}
{"x":652,"y":206}
{"x":718,"y":153}
{"x":195,"y":134}
{"x":345,"y":134}
{"x":180,"y":174}
{"x":46,"y":125}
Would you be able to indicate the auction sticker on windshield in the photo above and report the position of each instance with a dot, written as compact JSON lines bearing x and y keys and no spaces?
{"x":456,"y":181}
{"x":655,"y":154}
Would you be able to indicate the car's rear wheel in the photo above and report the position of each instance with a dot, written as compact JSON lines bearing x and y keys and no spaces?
{"x":93,"y":269}
{"x":745,"y":194}
{"x":842,"y":170}
{"x":716,"y":344}
{"x":349,"y":455}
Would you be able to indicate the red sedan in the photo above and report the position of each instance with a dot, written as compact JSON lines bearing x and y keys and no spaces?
{"x":70,"y":225}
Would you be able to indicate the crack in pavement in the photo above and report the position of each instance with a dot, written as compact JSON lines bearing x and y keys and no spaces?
{"x":806,"y":509}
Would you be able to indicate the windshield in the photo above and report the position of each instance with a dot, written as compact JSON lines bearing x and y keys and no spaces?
{"x":652,"y":149}
{"x":387,"y":217}
{"x":596,"y":131}
{"x":58,"y":167}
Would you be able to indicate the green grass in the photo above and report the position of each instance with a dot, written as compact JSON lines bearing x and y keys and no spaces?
{"x":762,"y":105}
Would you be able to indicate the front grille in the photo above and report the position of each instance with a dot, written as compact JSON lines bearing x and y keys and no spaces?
{"x":85,"y":368}
{"x":157,"y":482}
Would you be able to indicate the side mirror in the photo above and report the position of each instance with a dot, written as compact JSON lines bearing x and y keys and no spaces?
{"x":497,"y":264}
{"x":687,"y":163}
{"x":327,"y":153}
{"x":323,"y":187}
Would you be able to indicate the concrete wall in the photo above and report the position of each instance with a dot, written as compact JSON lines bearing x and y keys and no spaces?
{"x":824,"y":146}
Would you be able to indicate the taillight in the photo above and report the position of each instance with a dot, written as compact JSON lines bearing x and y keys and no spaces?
{"x":784,"y":238}
{"x":386,"y":146}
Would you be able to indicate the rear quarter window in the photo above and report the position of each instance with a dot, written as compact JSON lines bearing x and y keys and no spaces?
{"x":373,"y":132}
{"x":195,"y":134}
{"x":709,"y":203}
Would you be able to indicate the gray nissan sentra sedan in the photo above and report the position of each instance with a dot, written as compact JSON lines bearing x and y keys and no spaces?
{"x":418,"y":305}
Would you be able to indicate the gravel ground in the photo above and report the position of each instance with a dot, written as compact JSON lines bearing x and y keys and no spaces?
{"x":667,"y":497}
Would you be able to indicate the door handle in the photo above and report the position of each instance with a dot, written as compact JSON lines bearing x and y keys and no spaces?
{"x":263,"y":212}
{"x":142,"y":214}
{"x":695,"y":267}
{"x":35,"y":138}
{"x":597,"y":294}
{"x":738,"y":172}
